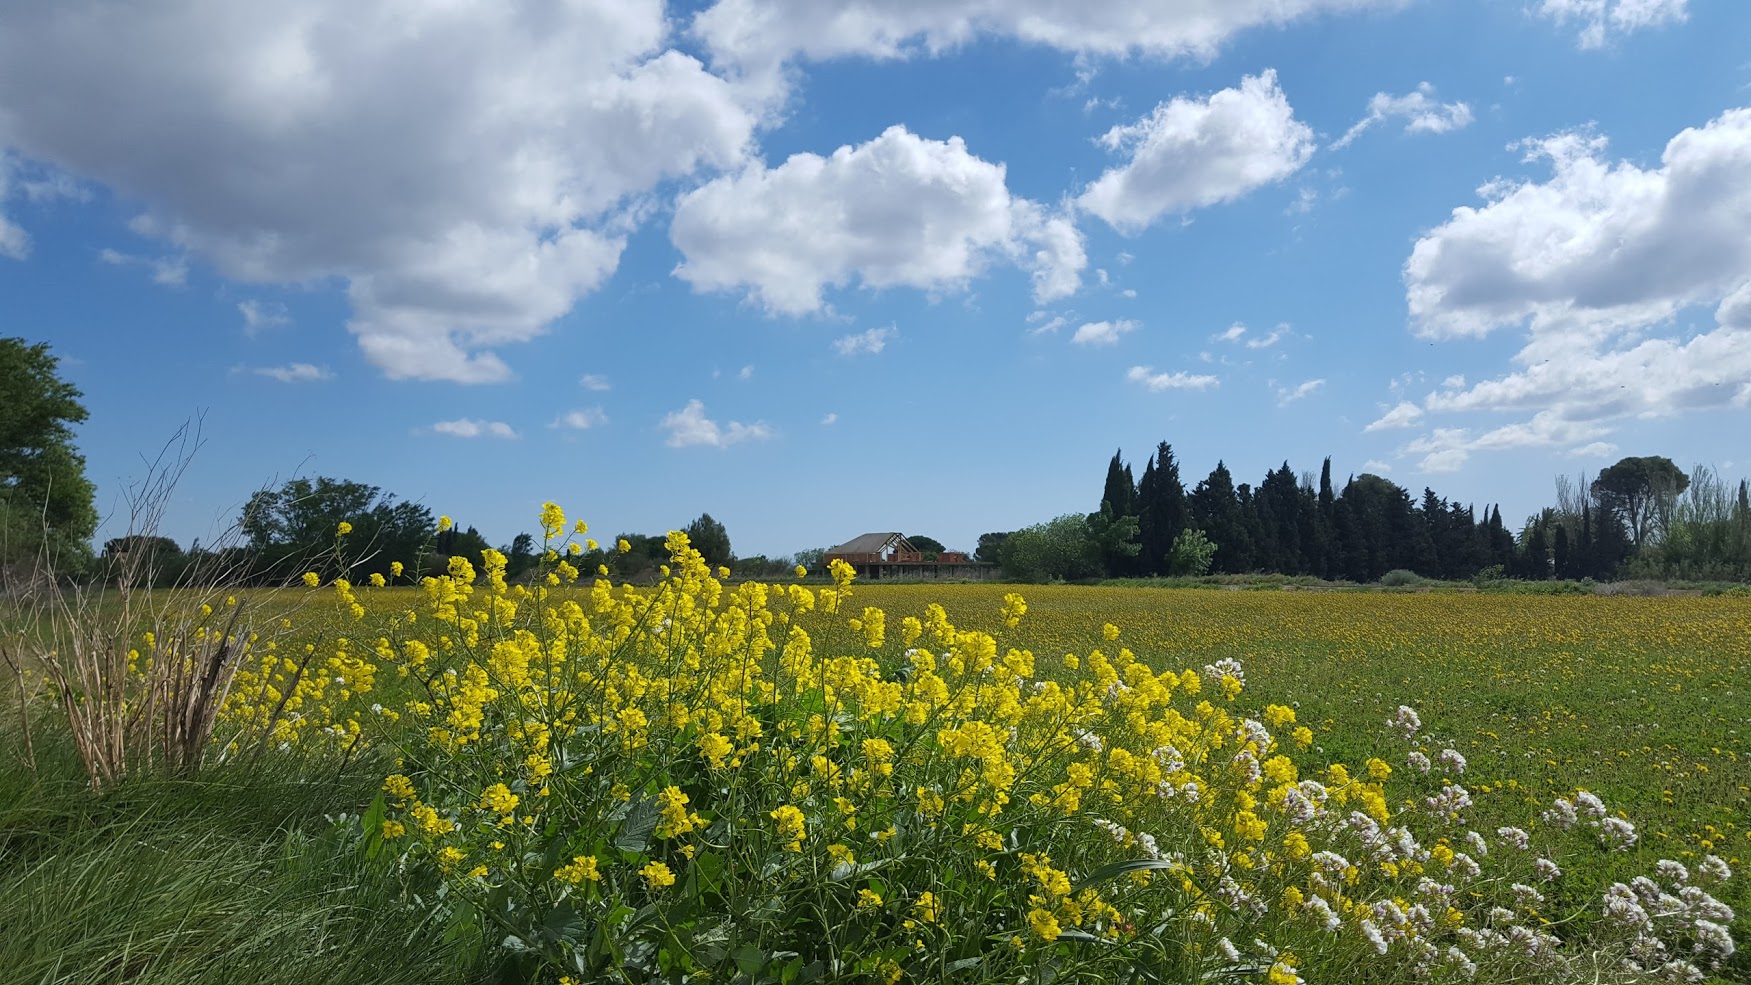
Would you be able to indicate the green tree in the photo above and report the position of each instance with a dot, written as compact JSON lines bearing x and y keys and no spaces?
{"x":710,"y":539}
{"x":1161,"y":508}
{"x":1191,"y":555}
{"x":1062,"y":549}
{"x":990,"y":549}
{"x":46,"y":502}
{"x":292,"y":529}
{"x":930,"y":547}
{"x":1641,"y":491}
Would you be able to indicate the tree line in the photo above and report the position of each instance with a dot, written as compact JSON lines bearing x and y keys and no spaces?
{"x":1641,"y":517}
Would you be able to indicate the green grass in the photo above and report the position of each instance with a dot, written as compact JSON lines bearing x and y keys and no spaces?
{"x":232,"y":877}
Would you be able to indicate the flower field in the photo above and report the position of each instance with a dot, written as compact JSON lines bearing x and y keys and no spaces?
{"x":795,"y":783}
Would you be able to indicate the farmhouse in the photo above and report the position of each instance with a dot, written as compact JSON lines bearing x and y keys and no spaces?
{"x":890,"y":555}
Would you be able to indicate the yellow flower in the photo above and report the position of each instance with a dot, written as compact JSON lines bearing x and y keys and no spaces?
{"x":445,"y":523}
{"x":580,"y":870}
{"x":802,"y":572}
{"x":393,"y":829}
{"x":499,"y":799}
{"x":344,"y":529}
{"x":927,"y":907}
{"x":552,"y":520}
{"x":377,"y":580}
{"x":657,"y":875}
{"x":312,"y":579}
{"x":868,"y":899}
{"x":396,"y":568}
{"x":790,"y":826}
{"x":399,"y":787}
{"x":622,"y":545}
{"x":1044,"y":924}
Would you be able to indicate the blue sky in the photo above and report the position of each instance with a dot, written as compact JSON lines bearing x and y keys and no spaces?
{"x":826,"y":267}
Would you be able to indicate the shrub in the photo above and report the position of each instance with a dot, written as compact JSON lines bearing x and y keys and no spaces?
{"x":1400,"y":578}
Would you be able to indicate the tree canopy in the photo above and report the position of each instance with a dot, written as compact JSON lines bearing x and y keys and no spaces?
{"x":45,"y":498}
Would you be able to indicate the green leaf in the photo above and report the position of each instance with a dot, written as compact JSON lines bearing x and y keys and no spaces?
{"x":844,"y":871}
{"x":749,"y":959}
{"x":635,"y":831}
{"x":373,"y":826}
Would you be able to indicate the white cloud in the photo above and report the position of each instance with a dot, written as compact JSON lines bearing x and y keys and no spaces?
{"x":1278,"y":334}
{"x":1157,"y":382}
{"x":1233,"y":333}
{"x":865,"y":343}
{"x":829,"y":420}
{"x":1448,"y":449}
{"x":1598,"y":18}
{"x":469,"y":428}
{"x":14,"y":241}
{"x":746,"y":374}
{"x":758,"y":35}
{"x":581,"y":420}
{"x":898,"y":211}
{"x":295,"y":373}
{"x":1191,"y":153}
{"x":1104,"y":332}
{"x":468,"y":170}
{"x":1594,"y":265}
{"x":170,"y":271}
{"x":594,"y":381}
{"x":260,"y":315}
{"x":1288,"y":395}
{"x":1048,"y":327}
{"x":1419,"y":110}
{"x":1376,"y":466}
{"x":1404,"y":415}
{"x":689,"y":426}
{"x":1598,"y":449}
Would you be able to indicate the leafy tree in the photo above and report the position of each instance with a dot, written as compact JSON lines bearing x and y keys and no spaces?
{"x":1115,"y":539}
{"x":1214,"y":508}
{"x":1062,"y":549}
{"x":1640,"y":492}
{"x":930,"y":547}
{"x":990,"y":548}
{"x":520,"y":556}
{"x":1192,"y":552}
{"x":1560,"y":553}
{"x":293,"y":529}
{"x":810,"y":557}
{"x":710,"y":539}
{"x":1120,"y":491}
{"x":45,"y":499}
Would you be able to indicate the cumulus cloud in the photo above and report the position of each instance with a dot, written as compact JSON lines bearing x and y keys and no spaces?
{"x":1233,"y":333}
{"x":898,"y":211}
{"x":594,"y":381}
{"x":829,"y":420}
{"x":689,"y":426}
{"x":581,"y":420}
{"x":1157,"y":382}
{"x":758,"y":35}
{"x":1599,"y":19}
{"x":261,"y":315}
{"x":295,"y":373}
{"x":1190,"y":153}
{"x":470,"y":428}
{"x":467,"y":170}
{"x":1419,"y":110}
{"x":14,"y":241}
{"x":1287,"y":395}
{"x":867,"y":343}
{"x":1594,"y":264}
{"x":1376,"y":466}
{"x":1403,"y":415}
{"x":1104,"y":332}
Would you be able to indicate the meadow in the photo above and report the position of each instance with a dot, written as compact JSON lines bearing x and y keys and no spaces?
{"x":473,"y":781}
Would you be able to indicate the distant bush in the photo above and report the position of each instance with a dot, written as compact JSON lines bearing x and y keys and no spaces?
{"x":1400,"y":578}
